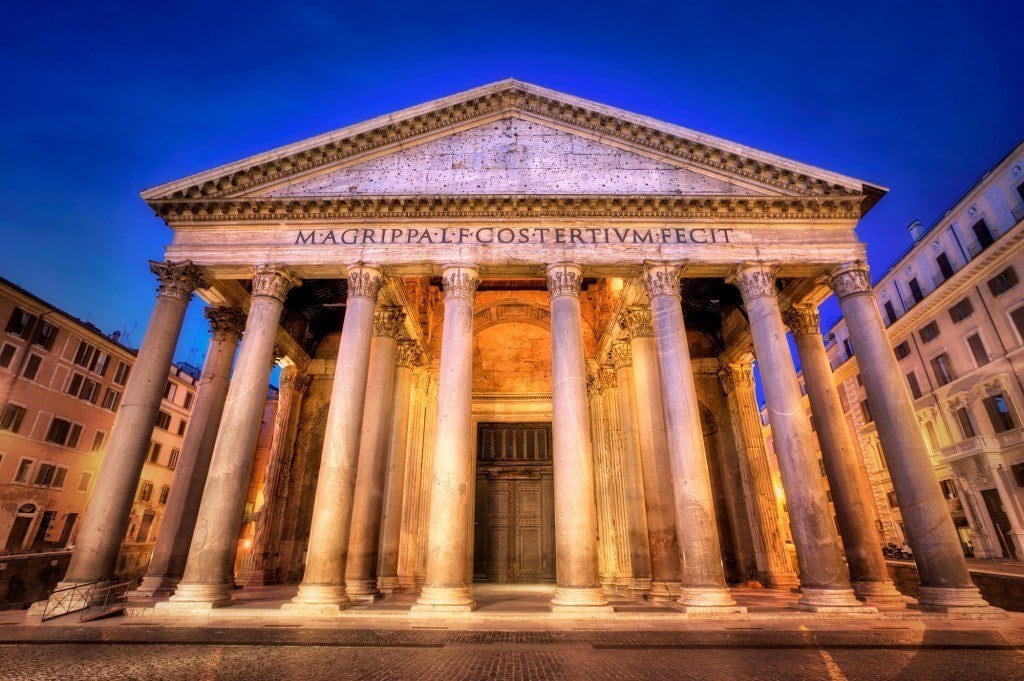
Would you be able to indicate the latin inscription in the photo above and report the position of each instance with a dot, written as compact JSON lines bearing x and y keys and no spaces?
{"x":484,"y":236}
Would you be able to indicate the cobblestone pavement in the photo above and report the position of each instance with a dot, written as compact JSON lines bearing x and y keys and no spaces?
{"x":310,"y":655}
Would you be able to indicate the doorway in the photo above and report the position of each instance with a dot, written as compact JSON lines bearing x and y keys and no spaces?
{"x":514,"y":533}
{"x":994,"y":506}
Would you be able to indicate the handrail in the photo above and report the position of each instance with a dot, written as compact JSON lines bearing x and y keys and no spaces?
{"x":53,"y":604}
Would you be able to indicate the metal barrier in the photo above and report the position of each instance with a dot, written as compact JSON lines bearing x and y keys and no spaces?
{"x":96,"y":595}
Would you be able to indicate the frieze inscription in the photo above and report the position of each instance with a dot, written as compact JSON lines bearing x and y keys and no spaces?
{"x":484,"y":236}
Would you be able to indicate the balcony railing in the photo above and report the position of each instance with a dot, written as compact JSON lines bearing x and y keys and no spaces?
{"x":980,"y":444}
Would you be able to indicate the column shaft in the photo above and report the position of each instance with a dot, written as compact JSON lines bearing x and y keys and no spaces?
{"x":702,"y":575}
{"x":323,"y":581}
{"x":848,"y":479}
{"x":211,"y":554}
{"x":447,"y":585}
{"x":945,"y":581}
{"x":824,"y":579}
{"x":617,"y":469}
{"x":171,"y":550}
{"x":577,"y":585}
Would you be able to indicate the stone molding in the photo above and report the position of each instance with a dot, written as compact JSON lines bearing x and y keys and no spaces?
{"x":850,"y":279}
{"x":388,"y":320}
{"x":803,"y":320}
{"x":564,"y":279}
{"x":636,"y":322}
{"x":364,"y":281}
{"x":661,"y":280}
{"x":755,"y":280}
{"x":408,"y":354}
{"x":226,"y":323}
{"x":269,"y":281}
{"x":460,"y":281}
{"x":177,"y":279}
{"x":595,"y":386}
{"x":621,"y":355}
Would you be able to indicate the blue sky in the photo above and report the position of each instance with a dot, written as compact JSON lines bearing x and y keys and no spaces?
{"x":104,"y":100}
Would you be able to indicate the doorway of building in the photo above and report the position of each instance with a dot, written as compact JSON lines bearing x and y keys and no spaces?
{"x":514,"y":533}
{"x":994,"y":506}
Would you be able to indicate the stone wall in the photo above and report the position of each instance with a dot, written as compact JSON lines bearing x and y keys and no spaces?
{"x":1002,"y":591}
{"x":28,"y":578}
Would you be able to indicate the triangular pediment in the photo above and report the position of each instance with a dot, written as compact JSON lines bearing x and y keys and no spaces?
{"x":511,"y":156}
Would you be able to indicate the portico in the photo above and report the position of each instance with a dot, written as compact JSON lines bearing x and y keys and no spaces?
{"x":513,"y":255}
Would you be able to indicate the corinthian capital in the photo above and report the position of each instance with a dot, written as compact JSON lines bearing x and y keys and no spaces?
{"x":273,"y":282}
{"x":606,"y":375}
{"x":564,"y":279}
{"x":755,"y":280}
{"x":388,"y":320}
{"x":621,"y":355}
{"x":803,"y":320}
{"x":409,"y":353}
{"x":636,"y":322}
{"x":177,"y":279}
{"x":735,"y":376}
{"x":364,"y":281}
{"x":661,"y":279}
{"x":226,"y":323}
{"x":460,"y":281}
{"x":850,"y":279}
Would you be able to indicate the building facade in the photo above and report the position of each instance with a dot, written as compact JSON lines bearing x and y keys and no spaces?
{"x":516,"y":332}
{"x":954,"y":312}
{"x":62,"y":381}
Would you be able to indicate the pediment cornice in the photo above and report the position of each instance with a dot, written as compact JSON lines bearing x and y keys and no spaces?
{"x":701,"y":152}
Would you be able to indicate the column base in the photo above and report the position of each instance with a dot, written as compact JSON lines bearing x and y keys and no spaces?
{"x":877,"y":592}
{"x":815,"y":599}
{"x":319,"y":599}
{"x":662,"y":591}
{"x":579,"y":600}
{"x":197,"y":598}
{"x":156,"y":586}
{"x":784,"y":580}
{"x":408,"y":582}
{"x":435,"y":599}
{"x":712,"y":600}
{"x":639,"y":586}
{"x":960,"y":600}
{"x":388,"y":585}
{"x":362,"y":590}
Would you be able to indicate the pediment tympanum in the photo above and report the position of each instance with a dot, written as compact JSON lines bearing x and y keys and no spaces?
{"x":511,"y":156}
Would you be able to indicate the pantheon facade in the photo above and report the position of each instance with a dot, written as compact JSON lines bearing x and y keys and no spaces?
{"x":517,"y":333}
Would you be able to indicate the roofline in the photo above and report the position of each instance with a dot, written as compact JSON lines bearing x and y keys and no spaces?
{"x":492,"y":88}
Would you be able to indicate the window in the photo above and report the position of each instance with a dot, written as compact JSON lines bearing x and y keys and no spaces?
{"x":169,"y":391}
{"x":961,"y":310}
{"x":848,"y":346}
{"x":189,"y":398}
{"x":915,"y":290}
{"x":32,"y":367}
{"x":24,"y":468}
{"x":983,"y":233}
{"x":948,"y":488}
{"x":1020,"y":190}
{"x":76,"y":432}
{"x":929,"y":332}
{"x":20,"y":323}
{"x":7,"y":354}
{"x":12,"y":417}
{"x":890,"y":312}
{"x":903,"y":349}
{"x":100,"y":362}
{"x":915,"y":387}
{"x":46,"y":336}
{"x":146,"y":491}
{"x":945,"y":268}
{"x":1003,"y":282}
{"x":58,"y":477}
{"x":97,"y":441}
{"x":84,"y":480}
{"x":865,"y":410}
{"x":154,"y":452}
{"x":943,"y":369}
{"x":963,"y":419}
{"x":172,"y":461}
{"x":163,"y":420}
{"x":1017,"y":317}
{"x":164,"y":492}
{"x":182,"y":425}
{"x":978,"y":349}
{"x":111,"y":399}
{"x":999,"y":413}
{"x":90,"y":391}
{"x":121,"y":374}
{"x":83,"y":356}
{"x":59,"y":431}
{"x":44,"y":474}
{"x":75,"y":384}
{"x":891,"y":496}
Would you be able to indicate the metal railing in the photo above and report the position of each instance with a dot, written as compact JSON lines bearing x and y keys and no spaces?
{"x":83,"y":597}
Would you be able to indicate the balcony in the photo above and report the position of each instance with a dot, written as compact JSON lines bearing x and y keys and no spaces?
{"x":983,"y":444}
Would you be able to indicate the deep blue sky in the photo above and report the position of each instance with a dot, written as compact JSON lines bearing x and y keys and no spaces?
{"x":101,"y":101}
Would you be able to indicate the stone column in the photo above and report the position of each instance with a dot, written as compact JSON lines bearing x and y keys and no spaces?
{"x":259,"y":566}
{"x":654,"y":455}
{"x":172,"y":543}
{"x":606,"y":556}
{"x":205,"y":583}
{"x":577,"y":588}
{"x":106,"y":517}
{"x":703,"y":576}
{"x":945,"y":582}
{"x":848,"y":479}
{"x":632,"y":478}
{"x":394,"y":487}
{"x":772,"y":558}
{"x":449,"y":538}
{"x":364,"y":537}
{"x":322,"y":590}
{"x":824,"y":580}
{"x":617,"y":464}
